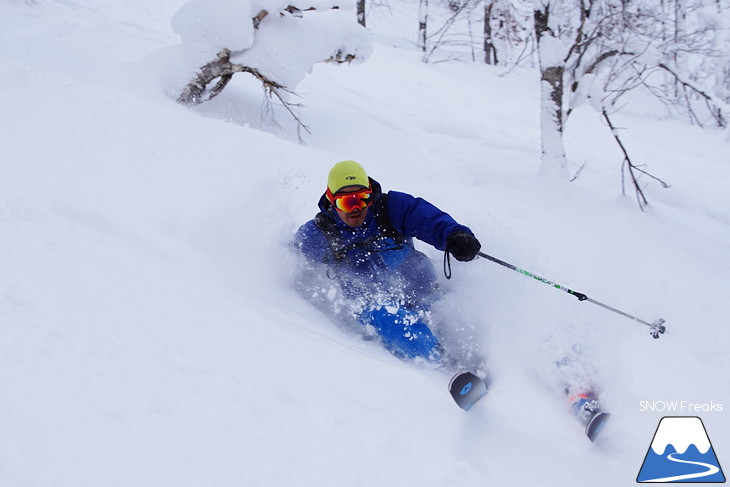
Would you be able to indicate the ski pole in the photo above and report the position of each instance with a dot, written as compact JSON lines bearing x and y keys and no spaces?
{"x":655,"y":329}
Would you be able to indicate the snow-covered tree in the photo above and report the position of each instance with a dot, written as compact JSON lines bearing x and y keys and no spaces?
{"x":507,"y":30}
{"x":681,"y":55}
{"x":599,"y":50}
{"x":361,"y":12}
{"x":551,"y":54}
{"x":276,"y":41}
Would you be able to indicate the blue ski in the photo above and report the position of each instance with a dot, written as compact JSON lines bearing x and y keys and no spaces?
{"x":466,"y":389}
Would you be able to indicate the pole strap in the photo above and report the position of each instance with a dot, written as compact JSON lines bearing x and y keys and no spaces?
{"x":447,"y":264}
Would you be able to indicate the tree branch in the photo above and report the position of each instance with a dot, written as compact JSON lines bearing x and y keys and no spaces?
{"x":640,"y":197}
{"x":222,"y":69}
{"x":720,"y":108}
{"x":197,"y":92}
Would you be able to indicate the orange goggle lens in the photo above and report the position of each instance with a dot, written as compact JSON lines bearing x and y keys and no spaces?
{"x":349,"y":201}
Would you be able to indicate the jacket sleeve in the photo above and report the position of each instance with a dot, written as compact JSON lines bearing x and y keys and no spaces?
{"x":310,"y":241}
{"x":416,"y":217}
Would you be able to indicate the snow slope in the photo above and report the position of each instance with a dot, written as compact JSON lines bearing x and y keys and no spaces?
{"x":149,"y":334}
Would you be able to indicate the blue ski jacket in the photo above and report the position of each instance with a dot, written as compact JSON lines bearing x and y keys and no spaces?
{"x":377,"y":261}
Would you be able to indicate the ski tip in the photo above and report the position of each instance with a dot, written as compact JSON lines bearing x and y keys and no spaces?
{"x":596,"y":424}
{"x":467,"y":388}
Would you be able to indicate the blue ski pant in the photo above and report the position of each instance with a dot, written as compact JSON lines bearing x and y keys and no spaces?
{"x":403,"y":332}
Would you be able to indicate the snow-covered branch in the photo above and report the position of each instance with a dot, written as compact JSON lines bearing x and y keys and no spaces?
{"x":276,"y":41}
{"x":718,"y":108}
{"x":223,"y":69}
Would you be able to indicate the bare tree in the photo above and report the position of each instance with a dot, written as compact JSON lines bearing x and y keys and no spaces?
{"x":629,"y":44}
{"x":634,"y":170}
{"x":422,"y":24}
{"x":508,"y":24}
{"x":458,"y":9}
{"x":490,"y":50}
{"x":504,"y":26}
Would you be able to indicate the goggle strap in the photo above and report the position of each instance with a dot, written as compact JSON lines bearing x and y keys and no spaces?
{"x":331,"y":197}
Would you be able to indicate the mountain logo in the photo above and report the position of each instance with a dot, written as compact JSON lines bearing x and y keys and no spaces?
{"x":681,"y":452}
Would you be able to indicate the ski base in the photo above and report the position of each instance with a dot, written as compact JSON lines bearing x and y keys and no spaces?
{"x":595,"y":424}
{"x":467,"y":389}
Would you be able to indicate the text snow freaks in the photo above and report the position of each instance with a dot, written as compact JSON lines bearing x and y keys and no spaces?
{"x":680,"y":407}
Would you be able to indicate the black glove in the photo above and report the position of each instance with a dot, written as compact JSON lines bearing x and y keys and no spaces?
{"x":463,"y":246}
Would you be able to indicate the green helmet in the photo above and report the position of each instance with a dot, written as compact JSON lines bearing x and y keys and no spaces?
{"x":347,"y":173}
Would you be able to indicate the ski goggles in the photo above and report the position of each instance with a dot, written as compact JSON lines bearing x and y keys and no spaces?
{"x":347,"y":202}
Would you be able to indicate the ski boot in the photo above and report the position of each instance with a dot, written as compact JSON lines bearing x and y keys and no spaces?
{"x":587,"y":409}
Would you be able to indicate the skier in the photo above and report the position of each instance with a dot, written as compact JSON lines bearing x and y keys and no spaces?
{"x":364,"y":239}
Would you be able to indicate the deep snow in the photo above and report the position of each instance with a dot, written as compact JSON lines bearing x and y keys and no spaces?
{"x":149,"y":332}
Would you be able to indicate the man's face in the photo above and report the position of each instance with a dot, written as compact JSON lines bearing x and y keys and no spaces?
{"x":356,"y":217}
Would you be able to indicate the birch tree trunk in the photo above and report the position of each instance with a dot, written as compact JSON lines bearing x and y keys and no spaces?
{"x":552,"y":69}
{"x":490,"y":51}
{"x":361,"y":12}
{"x":422,"y":23}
